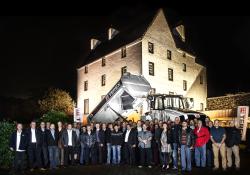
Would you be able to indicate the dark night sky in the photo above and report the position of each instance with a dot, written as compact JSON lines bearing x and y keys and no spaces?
{"x":39,"y":52}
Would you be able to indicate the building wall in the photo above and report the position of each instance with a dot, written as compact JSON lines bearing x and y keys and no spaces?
{"x":114,"y":63}
{"x":159,"y":34}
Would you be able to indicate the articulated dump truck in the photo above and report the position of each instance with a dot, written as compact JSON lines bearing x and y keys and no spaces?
{"x":131,"y":94}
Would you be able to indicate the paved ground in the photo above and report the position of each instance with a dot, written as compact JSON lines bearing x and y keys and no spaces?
{"x":128,"y":170}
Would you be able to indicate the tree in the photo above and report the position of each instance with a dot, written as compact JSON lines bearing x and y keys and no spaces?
{"x":55,"y":116}
{"x":57,"y":100}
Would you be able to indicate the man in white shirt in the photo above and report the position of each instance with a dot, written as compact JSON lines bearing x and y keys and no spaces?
{"x":69,"y":139}
{"x":34,"y":147}
{"x":18,"y":143}
{"x":130,"y":145}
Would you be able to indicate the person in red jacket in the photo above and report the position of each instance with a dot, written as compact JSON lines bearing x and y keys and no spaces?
{"x":202,"y":136}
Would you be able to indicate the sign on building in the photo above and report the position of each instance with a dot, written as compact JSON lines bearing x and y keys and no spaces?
{"x":242,"y":115}
{"x":77,"y":115}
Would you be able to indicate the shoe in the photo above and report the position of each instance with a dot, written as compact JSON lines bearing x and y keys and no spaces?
{"x":149,"y":166}
{"x":167,"y":167}
{"x":174,"y":168}
{"x":31,"y":169}
{"x":215,"y":169}
{"x":42,"y":169}
{"x":224,"y":169}
{"x":139,"y":166}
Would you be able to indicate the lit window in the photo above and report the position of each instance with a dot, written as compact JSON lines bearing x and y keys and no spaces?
{"x":169,"y":54}
{"x":86,"y":106}
{"x":171,"y":93}
{"x":103,"y":62}
{"x":103,"y":80}
{"x":152,"y":91}
{"x":123,"y":52}
{"x":123,"y":70}
{"x":184,"y":85}
{"x":201,"y":106}
{"x":170,"y":74}
{"x":151,"y":68}
{"x":184,"y":67}
{"x":150,"y":47}
{"x":85,"y":85}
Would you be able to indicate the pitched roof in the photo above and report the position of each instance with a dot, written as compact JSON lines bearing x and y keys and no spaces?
{"x":135,"y":30}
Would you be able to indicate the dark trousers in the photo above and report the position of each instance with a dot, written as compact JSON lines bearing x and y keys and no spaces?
{"x":145,"y":156}
{"x":129,"y":154}
{"x":69,"y":155}
{"x":90,"y":154}
{"x":19,"y":161}
{"x":34,"y":153}
{"x":53,"y":156}
{"x":156,"y":153}
{"x":44,"y":151}
{"x":100,"y":153}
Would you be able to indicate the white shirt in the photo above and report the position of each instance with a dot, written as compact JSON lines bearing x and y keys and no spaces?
{"x":139,"y":129}
{"x":148,"y":117}
{"x":69,"y":137}
{"x":126,"y":135}
{"x":33,"y":135}
{"x":18,"y":139}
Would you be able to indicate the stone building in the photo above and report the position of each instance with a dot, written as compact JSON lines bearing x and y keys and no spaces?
{"x":150,"y":47}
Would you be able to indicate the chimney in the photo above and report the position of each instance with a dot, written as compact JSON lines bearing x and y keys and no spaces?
{"x":181,"y":31}
{"x":112,"y":33}
{"x":94,"y":43}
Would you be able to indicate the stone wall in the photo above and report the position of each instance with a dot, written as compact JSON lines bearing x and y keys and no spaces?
{"x":228,"y":101}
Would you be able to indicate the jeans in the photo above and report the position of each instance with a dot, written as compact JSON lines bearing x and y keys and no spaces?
{"x":116,"y":150}
{"x":108,"y":153}
{"x":186,"y":158}
{"x":209,"y":157}
{"x":175,"y":155}
{"x":53,"y":156}
{"x":145,"y":152}
{"x":44,"y":150}
{"x":165,"y":158}
{"x":82,"y":154}
{"x":200,"y":156}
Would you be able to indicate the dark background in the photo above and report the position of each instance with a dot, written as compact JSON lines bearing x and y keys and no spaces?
{"x":37,"y":52}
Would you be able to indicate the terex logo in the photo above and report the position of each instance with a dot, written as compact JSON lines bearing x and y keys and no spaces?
{"x":113,"y":91}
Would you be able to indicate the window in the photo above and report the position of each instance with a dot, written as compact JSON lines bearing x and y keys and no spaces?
{"x":150,"y":47}
{"x":86,"y":70}
{"x":171,"y":93}
{"x":86,"y":106}
{"x":103,"y":62}
{"x":103,"y":80}
{"x":85,"y":85}
{"x":123,"y":52}
{"x":201,"y":106}
{"x":123,"y":70}
{"x":169,"y":54}
{"x":184,"y":67}
{"x":152,"y":91}
{"x":184,"y":85}
{"x":184,"y":54}
{"x":170,"y":74}
{"x":151,"y":68}
{"x":201,"y":79}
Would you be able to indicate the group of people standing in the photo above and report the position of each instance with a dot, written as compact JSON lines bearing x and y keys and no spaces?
{"x":145,"y":144}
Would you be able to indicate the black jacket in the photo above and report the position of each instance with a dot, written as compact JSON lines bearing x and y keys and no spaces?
{"x":23,"y":141}
{"x":174,"y":133}
{"x":233,"y":136}
{"x":51,"y":141}
{"x":39,"y":141}
{"x":65,"y":138}
{"x":132,"y":138}
{"x":116,"y":138}
{"x":43,"y":137}
{"x":108,"y":135}
{"x":189,"y":136}
{"x":88,"y":140}
{"x":101,"y":135}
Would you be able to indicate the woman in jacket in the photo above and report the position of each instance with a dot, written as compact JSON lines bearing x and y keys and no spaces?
{"x":165,"y":146}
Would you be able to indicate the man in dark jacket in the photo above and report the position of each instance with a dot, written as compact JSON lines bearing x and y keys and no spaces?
{"x":186,"y":140}
{"x":69,"y":140}
{"x":18,"y":144}
{"x":89,"y":141}
{"x":130,"y":140}
{"x":52,"y":141}
{"x":100,"y":141}
{"x":34,"y":146}
{"x":44,"y":146}
{"x":116,"y":140}
{"x":174,"y":133}
{"x":232,"y":141}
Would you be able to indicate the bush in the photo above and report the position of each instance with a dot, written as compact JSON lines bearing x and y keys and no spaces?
{"x":56,"y":116}
{"x":6,"y":156}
